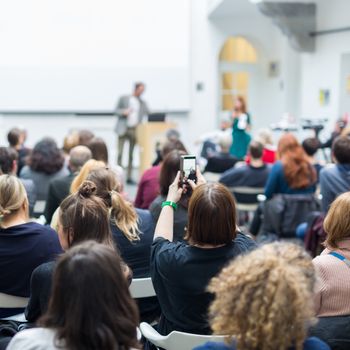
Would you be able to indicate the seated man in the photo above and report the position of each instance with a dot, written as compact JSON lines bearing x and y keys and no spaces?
{"x":223,"y":160}
{"x":335,"y":178}
{"x":254,"y":174}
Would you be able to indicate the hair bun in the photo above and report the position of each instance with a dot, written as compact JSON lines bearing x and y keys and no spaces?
{"x":87,"y":188}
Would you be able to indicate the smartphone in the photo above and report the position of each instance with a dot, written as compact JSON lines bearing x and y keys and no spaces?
{"x":188,"y":169}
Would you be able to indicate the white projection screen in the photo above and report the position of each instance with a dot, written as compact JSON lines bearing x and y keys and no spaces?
{"x":81,"y":55}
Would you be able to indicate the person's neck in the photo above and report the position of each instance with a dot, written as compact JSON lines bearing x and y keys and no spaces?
{"x":19,"y":219}
{"x":311,"y":159}
{"x":256,"y":163}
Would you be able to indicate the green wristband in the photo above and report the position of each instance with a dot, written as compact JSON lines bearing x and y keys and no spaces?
{"x":170,"y":204}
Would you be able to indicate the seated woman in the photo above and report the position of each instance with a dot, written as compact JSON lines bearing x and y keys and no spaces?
{"x":293,"y":173}
{"x":90,"y":307}
{"x":333,"y":265}
{"x":24,"y":245}
{"x":263,"y":301}
{"x":170,"y":167}
{"x":82,"y":216}
{"x":46,"y":162}
{"x":132,"y":231}
{"x":181,"y":271}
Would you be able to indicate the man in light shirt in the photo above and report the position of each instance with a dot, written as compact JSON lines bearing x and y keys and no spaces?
{"x":130,"y":111}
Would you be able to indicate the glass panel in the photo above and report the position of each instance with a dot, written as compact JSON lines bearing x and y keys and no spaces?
{"x":227,"y":81}
{"x":227,"y":102}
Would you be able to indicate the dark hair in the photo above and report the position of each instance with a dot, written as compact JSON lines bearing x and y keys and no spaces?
{"x":211,"y":215}
{"x":85,"y":216}
{"x":311,"y":145}
{"x":123,"y":213}
{"x":13,"y":136}
{"x":256,"y":150}
{"x":169,"y":169}
{"x":341,"y":149}
{"x":46,"y":157}
{"x":90,"y":306}
{"x":171,"y":146}
{"x":7,"y":156}
{"x":138,"y":84}
{"x":98,"y":149}
{"x":85,"y":136}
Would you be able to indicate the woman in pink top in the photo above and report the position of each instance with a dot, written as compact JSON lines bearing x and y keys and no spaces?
{"x":332,"y":297}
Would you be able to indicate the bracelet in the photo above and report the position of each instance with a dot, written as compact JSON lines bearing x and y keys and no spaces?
{"x":170,"y":204}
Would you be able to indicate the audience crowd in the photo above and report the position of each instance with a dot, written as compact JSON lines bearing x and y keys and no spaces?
{"x":72,"y":240}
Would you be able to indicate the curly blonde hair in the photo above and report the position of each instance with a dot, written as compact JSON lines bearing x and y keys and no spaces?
{"x":263,"y":300}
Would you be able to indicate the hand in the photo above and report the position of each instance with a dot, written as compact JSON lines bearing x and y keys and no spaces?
{"x":200,"y":179}
{"x":127,"y":111}
{"x":175,"y":192}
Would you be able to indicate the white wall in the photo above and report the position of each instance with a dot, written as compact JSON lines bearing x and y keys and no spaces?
{"x":321,"y":69}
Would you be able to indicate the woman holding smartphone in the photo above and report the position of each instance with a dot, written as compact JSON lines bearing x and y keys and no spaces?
{"x":181,"y":271}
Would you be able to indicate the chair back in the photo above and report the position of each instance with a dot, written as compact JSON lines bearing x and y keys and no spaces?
{"x":246,"y":197}
{"x":142,"y":288}
{"x":212,"y":177}
{"x":177,"y":340}
{"x":8,"y":301}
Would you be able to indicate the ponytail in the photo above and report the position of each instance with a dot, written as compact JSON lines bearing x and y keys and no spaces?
{"x":125,"y":216}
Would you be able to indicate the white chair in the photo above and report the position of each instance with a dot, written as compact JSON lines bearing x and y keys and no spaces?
{"x":177,"y":340}
{"x":212,"y":177}
{"x":13,"y":302}
{"x":142,"y":288}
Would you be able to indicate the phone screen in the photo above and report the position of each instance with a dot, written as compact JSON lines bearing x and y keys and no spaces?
{"x":188,"y":168}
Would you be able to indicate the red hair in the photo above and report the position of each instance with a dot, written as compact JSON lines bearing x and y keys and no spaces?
{"x":298,"y":171}
{"x":243,"y":104}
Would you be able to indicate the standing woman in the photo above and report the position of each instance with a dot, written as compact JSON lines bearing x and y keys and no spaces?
{"x":241,"y":126}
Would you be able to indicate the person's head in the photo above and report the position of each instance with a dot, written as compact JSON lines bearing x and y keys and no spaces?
{"x":46,"y":157}
{"x":211,"y":216}
{"x":83,"y":216}
{"x":122,"y":212}
{"x":264,"y":136}
{"x":70,"y":141}
{"x":169,"y":169}
{"x":256,"y":150}
{"x":139,"y":88}
{"x":341,"y":150}
{"x":15,"y":137}
{"x":171,"y":146}
{"x":13,"y":198}
{"x":78,"y":156}
{"x":240,"y":104}
{"x":311,"y":146}
{"x":85,"y":136}
{"x":8,"y":160}
{"x":172,"y":135}
{"x":98,"y":149}
{"x":90,"y":306}
{"x":84,"y":172}
{"x":298,"y":170}
{"x":225,"y":142}
{"x":337,"y":221}
{"x":264,"y":299}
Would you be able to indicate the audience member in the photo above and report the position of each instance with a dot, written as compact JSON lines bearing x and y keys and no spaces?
{"x":170,"y":167}
{"x":59,"y":187}
{"x":16,"y":138}
{"x":264,"y":136}
{"x":311,"y":145}
{"x":24,"y":245}
{"x":181,"y":271}
{"x":335,"y":178}
{"x":90,"y":308}
{"x":148,"y":187}
{"x":85,"y":136}
{"x":222,"y":161}
{"x":263,"y":301}
{"x":46,"y":162}
{"x":172,"y":136}
{"x":254,"y":174}
{"x":333,"y":265}
{"x":9,"y":166}
{"x":70,"y":141}
{"x":293,"y":173}
{"x":82,"y":216}
{"x":132,"y":231}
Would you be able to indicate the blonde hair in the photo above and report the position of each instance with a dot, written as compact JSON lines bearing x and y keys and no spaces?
{"x":264,"y":136}
{"x":121,"y":211}
{"x":337,"y":221}
{"x":12,"y":195}
{"x":84,"y":172}
{"x":264,"y":299}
